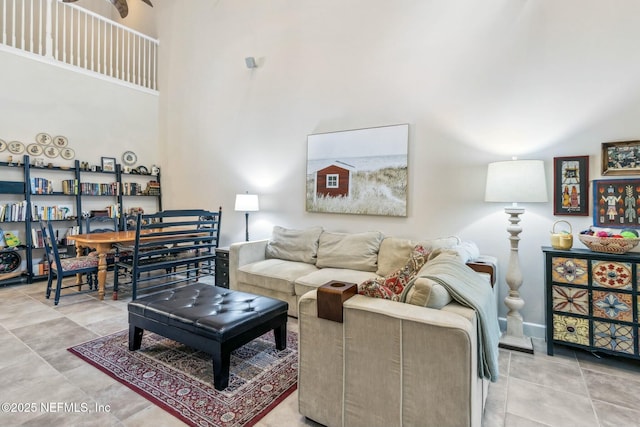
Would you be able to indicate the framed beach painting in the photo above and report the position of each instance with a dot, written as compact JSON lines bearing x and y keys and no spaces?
{"x":361,"y":171}
{"x":570,"y":185}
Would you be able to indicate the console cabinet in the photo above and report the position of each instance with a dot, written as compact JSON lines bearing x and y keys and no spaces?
{"x":592,"y":301}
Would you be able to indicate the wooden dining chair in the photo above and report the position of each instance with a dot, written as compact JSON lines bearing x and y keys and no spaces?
{"x":66,"y":267}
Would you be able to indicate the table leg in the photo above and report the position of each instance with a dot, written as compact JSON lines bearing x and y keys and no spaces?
{"x":79,"y":253}
{"x":102,"y":274}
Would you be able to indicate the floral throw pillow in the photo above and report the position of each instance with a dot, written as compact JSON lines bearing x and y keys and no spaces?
{"x":392,"y":286}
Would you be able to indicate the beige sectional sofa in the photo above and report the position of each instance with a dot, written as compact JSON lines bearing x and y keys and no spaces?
{"x":389,"y":363}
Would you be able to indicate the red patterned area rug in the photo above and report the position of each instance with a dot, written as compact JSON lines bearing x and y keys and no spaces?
{"x":179,"y":379}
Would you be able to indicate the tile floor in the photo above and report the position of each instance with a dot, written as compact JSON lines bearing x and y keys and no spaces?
{"x":569,"y":389}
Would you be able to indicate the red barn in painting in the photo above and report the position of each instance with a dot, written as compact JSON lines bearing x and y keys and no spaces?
{"x":334,"y":180}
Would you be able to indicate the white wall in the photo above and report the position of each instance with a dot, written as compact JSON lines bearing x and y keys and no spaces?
{"x":98,"y":117}
{"x":476,"y":81}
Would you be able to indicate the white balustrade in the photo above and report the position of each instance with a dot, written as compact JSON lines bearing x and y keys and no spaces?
{"x":67,"y":34}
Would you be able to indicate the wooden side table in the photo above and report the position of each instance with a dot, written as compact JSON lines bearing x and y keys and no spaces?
{"x":222,"y":267}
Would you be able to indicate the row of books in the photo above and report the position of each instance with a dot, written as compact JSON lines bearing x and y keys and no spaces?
{"x":132,"y":189}
{"x":72,"y":186}
{"x":98,"y":189}
{"x":13,"y":211}
{"x":51,"y":212}
{"x":153,"y":188}
{"x":37,"y":239}
{"x":41,"y":186}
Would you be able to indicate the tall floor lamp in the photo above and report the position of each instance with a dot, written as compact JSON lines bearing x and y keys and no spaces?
{"x":515,"y":181}
{"x":247,"y":203}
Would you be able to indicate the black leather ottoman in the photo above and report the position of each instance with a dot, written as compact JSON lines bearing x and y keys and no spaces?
{"x":211,"y":319}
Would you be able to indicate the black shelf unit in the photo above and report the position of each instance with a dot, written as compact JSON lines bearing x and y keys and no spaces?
{"x":23,"y":188}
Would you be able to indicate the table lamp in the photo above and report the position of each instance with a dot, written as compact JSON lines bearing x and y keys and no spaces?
{"x":247,"y":203}
{"x":515,"y":181}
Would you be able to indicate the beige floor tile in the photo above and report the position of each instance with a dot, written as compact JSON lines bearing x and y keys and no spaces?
{"x":512,"y":420}
{"x":546,"y":372}
{"x":53,"y":335}
{"x":548,"y":406}
{"x":614,"y":389}
{"x":616,"y":416}
{"x":26,"y":313}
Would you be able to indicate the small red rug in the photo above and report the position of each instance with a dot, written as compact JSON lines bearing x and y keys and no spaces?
{"x":179,"y":379}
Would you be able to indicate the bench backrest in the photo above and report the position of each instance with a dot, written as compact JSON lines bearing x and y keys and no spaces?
{"x":176,"y":232}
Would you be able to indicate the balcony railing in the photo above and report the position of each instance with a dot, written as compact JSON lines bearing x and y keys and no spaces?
{"x":67,"y":34}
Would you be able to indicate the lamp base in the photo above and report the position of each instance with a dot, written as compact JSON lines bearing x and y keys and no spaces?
{"x":510,"y":342}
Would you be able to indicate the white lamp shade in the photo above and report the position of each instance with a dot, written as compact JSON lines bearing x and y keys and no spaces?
{"x":516,"y":181}
{"x":247,"y":202}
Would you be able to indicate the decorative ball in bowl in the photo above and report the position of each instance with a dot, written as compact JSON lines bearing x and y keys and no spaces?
{"x":611,"y":245}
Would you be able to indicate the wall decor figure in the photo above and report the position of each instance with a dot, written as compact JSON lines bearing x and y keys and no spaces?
{"x":616,"y":203}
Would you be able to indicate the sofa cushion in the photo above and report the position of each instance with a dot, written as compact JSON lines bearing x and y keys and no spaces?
{"x":427,"y":293}
{"x":392,"y":286}
{"x":275,"y":274}
{"x":318,"y":278}
{"x":294,"y":245}
{"x":355,"y":251}
{"x":394,"y":251}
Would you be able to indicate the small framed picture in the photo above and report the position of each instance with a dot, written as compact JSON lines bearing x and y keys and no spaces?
{"x":570,"y":186}
{"x":614,"y":203}
{"x":108,"y":164}
{"x":621,"y":158}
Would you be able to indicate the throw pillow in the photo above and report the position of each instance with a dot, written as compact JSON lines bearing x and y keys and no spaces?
{"x":294,"y":245}
{"x":355,"y":251}
{"x":392,"y":286}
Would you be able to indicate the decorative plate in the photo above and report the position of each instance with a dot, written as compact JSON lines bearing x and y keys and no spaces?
{"x":43,"y":138}
{"x":60,"y":141}
{"x":129,"y":158}
{"x":67,"y":153}
{"x":142,"y":170}
{"x":51,"y":152}
{"x":35,"y":149}
{"x":3,"y":145}
{"x":16,"y":147}
{"x":9,"y":261}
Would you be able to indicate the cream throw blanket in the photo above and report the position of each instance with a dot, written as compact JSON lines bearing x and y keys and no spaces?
{"x":468,"y":288}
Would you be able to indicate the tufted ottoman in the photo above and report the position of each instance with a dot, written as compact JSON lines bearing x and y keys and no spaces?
{"x":211,"y":319}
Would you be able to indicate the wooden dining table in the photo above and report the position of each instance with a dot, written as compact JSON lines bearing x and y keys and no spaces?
{"x":103,"y":242}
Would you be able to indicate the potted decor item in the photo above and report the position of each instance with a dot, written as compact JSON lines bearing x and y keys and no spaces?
{"x":562,"y":239}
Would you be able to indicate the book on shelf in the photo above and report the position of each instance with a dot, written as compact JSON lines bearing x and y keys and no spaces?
{"x":41,"y":186}
{"x":70,"y":186}
{"x":13,"y":211}
{"x":47,"y":213}
{"x":37,"y":240}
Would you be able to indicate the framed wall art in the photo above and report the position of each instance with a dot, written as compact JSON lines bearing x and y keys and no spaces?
{"x":570,"y":185}
{"x":621,"y":158}
{"x":361,"y":171}
{"x":616,"y":203}
{"x":108,"y":164}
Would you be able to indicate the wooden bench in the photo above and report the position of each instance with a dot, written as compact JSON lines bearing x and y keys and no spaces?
{"x":211,"y":319}
{"x":173,"y":247}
